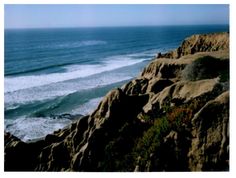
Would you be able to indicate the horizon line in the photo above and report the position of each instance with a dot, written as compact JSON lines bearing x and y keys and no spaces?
{"x":25,"y":28}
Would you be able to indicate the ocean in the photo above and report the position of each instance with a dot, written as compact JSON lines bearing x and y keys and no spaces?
{"x":53,"y":74}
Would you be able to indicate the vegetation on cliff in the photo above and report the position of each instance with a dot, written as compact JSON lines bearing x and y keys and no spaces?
{"x":206,"y":67}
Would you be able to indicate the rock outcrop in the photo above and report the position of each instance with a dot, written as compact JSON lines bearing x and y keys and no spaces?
{"x":156,"y":122}
{"x":199,"y":43}
{"x":210,"y":143}
{"x":183,"y":92}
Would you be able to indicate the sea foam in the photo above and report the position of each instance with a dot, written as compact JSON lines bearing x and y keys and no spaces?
{"x":74,"y":71}
{"x":33,"y":128}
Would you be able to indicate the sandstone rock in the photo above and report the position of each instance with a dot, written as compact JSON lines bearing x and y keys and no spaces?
{"x":165,"y":69}
{"x":182,"y":92}
{"x":80,"y":147}
{"x":59,"y":153}
{"x":200,"y":43}
{"x":115,"y":110}
{"x":136,"y":86}
{"x":209,"y":150}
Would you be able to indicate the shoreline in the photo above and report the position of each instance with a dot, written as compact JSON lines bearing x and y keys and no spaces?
{"x":139,"y":126}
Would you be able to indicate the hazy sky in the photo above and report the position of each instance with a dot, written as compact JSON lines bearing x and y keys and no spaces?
{"x":40,"y":16}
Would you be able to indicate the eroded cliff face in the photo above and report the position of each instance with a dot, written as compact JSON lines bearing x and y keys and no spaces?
{"x":200,"y":43}
{"x":209,"y":148}
{"x":159,"y":121}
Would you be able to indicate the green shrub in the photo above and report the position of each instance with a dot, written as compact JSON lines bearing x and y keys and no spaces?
{"x":118,"y":155}
{"x":147,"y":146}
{"x":150,"y":146}
{"x":203,"y":68}
{"x":151,"y":141}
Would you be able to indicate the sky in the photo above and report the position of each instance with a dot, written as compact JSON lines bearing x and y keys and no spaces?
{"x":53,"y":16}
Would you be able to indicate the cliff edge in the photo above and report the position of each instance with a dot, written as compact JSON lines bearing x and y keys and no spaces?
{"x":173,"y":117}
{"x":200,"y":43}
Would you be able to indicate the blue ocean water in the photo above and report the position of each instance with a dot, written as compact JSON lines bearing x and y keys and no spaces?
{"x":50,"y":72}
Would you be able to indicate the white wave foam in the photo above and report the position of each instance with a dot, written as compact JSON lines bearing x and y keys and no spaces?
{"x":79,"y":44}
{"x":149,"y":53}
{"x":12,"y":99}
{"x":88,"y":107}
{"x":75,"y":71}
{"x":34,"y":128}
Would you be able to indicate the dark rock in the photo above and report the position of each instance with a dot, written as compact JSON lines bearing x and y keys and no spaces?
{"x":20,"y":156}
{"x":158,"y":85}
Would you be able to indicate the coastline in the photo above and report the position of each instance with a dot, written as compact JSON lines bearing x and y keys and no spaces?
{"x":74,"y":73}
{"x":132,"y":114}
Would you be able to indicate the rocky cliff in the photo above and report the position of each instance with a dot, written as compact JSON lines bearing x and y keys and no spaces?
{"x":173,"y":117}
{"x":199,"y":43}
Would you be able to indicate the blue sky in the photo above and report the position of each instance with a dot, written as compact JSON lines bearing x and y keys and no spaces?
{"x":49,"y":16}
